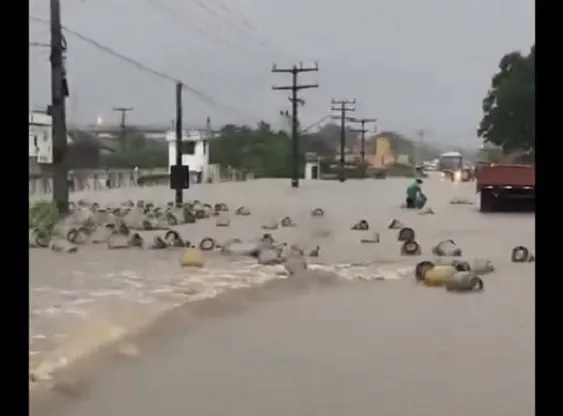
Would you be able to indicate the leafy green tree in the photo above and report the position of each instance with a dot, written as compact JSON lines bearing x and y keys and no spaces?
{"x":509,"y":107}
{"x":263,"y":151}
{"x":260,"y":150}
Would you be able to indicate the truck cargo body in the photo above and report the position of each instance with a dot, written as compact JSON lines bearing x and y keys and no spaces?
{"x":502,"y":185}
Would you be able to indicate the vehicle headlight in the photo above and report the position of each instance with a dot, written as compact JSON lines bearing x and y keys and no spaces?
{"x":457,"y":176}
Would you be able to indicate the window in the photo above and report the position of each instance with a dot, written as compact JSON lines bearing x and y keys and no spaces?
{"x":204,"y":147}
{"x":450,"y":162}
{"x":188,"y":148}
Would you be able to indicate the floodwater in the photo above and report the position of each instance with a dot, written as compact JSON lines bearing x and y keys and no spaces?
{"x":358,"y":348}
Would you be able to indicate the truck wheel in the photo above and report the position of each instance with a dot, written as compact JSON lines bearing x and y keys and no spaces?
{"x":488,"y":202}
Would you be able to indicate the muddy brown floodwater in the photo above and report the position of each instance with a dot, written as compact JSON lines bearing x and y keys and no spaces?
{"x":389,"y":348}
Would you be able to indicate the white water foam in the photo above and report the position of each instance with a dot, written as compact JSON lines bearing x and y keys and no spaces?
{"x":208,"y":283}
{"x":187,"y":286}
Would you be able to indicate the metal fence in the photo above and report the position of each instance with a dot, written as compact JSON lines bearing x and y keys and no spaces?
{"x":93,"y":180}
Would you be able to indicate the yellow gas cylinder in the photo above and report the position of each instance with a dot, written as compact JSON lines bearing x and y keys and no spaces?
{"x":192,"y":257}
{"x":439,"y":275}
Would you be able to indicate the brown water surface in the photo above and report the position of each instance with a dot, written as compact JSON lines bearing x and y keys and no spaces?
{"x":389,"y":348}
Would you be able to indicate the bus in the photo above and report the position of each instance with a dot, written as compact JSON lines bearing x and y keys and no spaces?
{"x":452,"y":166}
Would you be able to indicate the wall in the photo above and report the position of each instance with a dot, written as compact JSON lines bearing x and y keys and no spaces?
{"x":383,"y":155}
{"x":197,"y":162}
{"x":89,"y":179}
{"x":41,"y":186}
{"x":34,"y":168}
{"x":40,"y":137}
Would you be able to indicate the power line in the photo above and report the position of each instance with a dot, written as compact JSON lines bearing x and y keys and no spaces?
{"x":142,"y":67}
{"x":213,"y":13}
{"x":169,"y":11}
{"x":315,"y":124}
{"x":231,"y":10}
{"x":239,"y":15}
{"x":179,"y":17}
{"x":251,"y":35}
{"x":114,"y":53}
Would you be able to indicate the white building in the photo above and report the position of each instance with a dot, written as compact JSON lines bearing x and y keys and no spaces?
{"x":312,"y":166}
{"x":195,"y":152}
{"x":40,"y":137}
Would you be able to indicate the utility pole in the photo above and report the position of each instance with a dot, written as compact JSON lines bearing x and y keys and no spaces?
{"x":362,"y":132}
{"x":179,"y":199}
{"x":59,"y":92}
{"x":417,"y":146}
{"x":123,"y":122}
{"x":295,"y":100}
{"x":343,"y":106}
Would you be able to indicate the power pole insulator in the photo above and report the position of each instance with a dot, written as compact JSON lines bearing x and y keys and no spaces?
{"x":295,"y":100}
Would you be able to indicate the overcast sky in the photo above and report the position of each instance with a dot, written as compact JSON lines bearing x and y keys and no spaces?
{"x":412,"y":64}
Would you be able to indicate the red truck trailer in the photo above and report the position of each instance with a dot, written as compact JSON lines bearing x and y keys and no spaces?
{"x":501,"y":184}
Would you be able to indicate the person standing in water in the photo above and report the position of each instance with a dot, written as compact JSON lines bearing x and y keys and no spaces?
{"x":136,"y":176}
{"x":415,"y":197}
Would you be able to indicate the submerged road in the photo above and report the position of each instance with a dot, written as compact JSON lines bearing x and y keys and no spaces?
{"x":361,"y":348}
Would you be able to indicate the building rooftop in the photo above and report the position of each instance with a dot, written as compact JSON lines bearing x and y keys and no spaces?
{"x":191,"y":135}
{"x":451,"y":154}
{"x":77,"y":137}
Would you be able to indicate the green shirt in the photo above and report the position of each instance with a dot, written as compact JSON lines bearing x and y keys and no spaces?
{"x":413,"y":191}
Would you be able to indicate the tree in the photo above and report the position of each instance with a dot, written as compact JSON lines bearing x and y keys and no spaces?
{"x":509,"y":107}
{"x":330,"y":132}
{"x":137,"y":151}
{"x":259,"y":150}
{"x":262,"y":151}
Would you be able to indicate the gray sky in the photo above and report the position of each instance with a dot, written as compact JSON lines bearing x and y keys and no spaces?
{"x":410,"y":63}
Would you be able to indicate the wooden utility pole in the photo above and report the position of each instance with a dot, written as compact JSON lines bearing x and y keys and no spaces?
{"x":362,"y":132}
{"x":344,"y":106}
{"x":295,"y":100}
{"x":179,"y":199}
{"x":417,"y":147}
{"x":123,"y":121}
{"x":59,"y":92}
